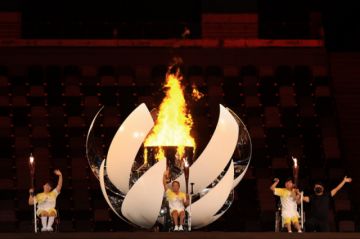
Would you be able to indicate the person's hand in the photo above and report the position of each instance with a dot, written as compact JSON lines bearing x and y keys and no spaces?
{"x":57,"y":172}
{"x":347,"y":180}
{"x":276,"y":180}
{"x":31,"y":190}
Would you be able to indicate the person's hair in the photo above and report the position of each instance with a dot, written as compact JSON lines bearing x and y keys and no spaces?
{"x":49,"y":183}
{"x":178,"y":183}
{"x":289,"y":179}
{"x":319,"y":183}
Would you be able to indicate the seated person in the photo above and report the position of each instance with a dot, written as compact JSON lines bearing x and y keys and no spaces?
{"x":318,"y":220}
{"x":46,"y":203}
{"x":177,"y":201}
{"x":289,"y":197}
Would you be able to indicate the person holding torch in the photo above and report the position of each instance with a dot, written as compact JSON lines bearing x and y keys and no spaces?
{"x":289,"y":197}
{"x":46,"y":202}
{"x":177,"y":201}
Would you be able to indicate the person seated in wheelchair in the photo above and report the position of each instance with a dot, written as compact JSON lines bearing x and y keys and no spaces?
{"x":46,"y":202}
{"x":177,"y":201}
{"x":289,"y":198}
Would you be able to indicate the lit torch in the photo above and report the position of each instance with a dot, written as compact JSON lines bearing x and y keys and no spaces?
{"x":32,"y":176}
{"x":296,"y":178}
{"x":186,"y":173}
{"x":295,"y":170}
{"x":32,"y":170}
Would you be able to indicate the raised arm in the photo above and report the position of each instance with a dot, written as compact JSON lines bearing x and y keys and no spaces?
{"x":165,"y":178}
{"x":60,"y":181}
{"x":31,"y":196}
{"x":273,"y":186}
{"x":345,"y":180}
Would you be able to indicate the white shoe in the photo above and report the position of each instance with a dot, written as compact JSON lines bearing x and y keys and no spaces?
{"x":50,"y":229}
{"x":176,"y":228}
{"x":44,"y":229}
{"x":181,"y":228}
{"x":300,"y":231}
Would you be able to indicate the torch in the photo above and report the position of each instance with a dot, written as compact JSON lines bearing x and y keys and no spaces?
{"x":296,"y":181}
{"x":187,"y":173}
{"x":295,"y":171}
{"x":32,"y":174}
{"x":32,"y":170}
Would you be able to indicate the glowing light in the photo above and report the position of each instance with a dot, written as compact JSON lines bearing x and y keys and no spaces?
{"x":31,"y":159}
{"x":196,"y":94}
{"x":186,"y":163}
{"x":174,"y":122}
{"x":295,"y":162}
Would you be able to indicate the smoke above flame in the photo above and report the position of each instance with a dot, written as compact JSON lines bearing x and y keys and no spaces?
{"x":174,"y":122}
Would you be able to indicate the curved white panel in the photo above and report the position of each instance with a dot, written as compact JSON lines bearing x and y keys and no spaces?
{"x":93,"y":122}
{"x":203,"y":210}
{"x":143,"y":201}
{"x":217,"y":153}
{"x":103,"y":187}
{"x":213,"y":219}
{"x":125,"y":146}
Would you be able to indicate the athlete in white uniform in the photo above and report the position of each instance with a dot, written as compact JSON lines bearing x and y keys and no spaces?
{"x":46,"y":203}
{"x":177,"y":201}
{"x":289,"y":197}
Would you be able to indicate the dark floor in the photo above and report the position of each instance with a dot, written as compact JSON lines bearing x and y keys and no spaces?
{"x":203,"y":235}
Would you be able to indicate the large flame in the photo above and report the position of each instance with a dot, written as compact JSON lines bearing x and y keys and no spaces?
{"x":174,"y":122}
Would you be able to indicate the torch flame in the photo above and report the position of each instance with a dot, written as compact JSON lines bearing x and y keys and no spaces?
{"x":174,"y":122}
{"x":31,"y":159}
{"x":295,"y":162}
{"x":186,"y":163}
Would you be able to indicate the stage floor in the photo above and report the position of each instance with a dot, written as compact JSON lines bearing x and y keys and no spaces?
{"x":179,"y":235}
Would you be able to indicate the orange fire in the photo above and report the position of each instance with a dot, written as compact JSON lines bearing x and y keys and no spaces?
{"x":196,"y":94}
{"x":174,"y":122}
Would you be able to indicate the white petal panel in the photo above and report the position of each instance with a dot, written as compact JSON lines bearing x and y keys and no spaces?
{"x":217,"y":153}
{"x":204,"y":209}
{"x":125,"y":146}
{"x":93,"y":122}
{"x":213,"y":219}
{"x":143,"y":201}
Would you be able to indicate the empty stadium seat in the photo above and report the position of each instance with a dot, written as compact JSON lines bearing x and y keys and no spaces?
{"x":346,"y":226}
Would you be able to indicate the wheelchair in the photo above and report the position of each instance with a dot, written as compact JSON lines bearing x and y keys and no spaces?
{"x":279,"y":226}
{"x":168,"y":223}
{"x":55,"y":226}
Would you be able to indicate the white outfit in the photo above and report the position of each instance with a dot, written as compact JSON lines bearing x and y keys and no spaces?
{"x":288,"y":203}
